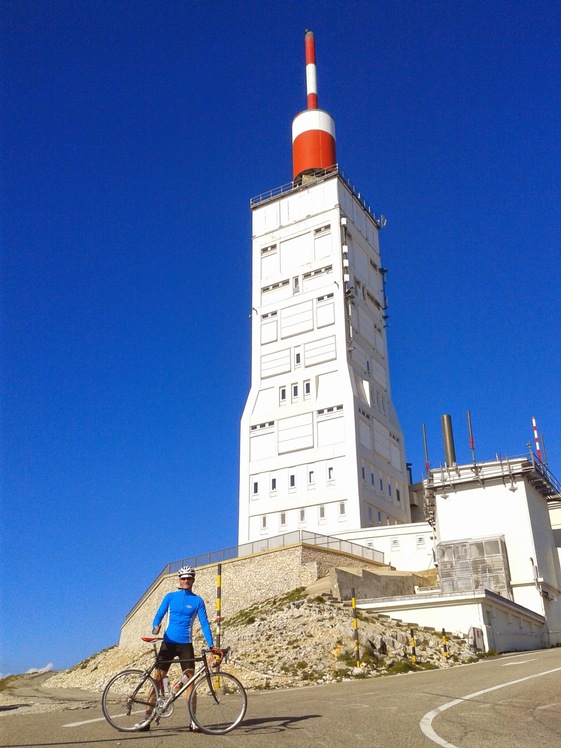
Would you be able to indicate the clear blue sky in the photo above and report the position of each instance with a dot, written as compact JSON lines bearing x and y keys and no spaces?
{"x":133,"y":136}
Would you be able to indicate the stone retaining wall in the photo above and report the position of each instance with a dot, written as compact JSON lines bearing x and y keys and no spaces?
{"x":245,"y":581}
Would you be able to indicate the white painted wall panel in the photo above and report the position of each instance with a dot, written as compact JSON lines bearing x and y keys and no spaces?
{"x":318,"y":282}
{"x":266,"y":400}
{"x":325,"y":314}
{"x":360,"y":263}
{"x":379,"y":374}
{"x":366,"y":327}
{"x":274,"y":296}
{"x":269,"y":330}
{"x":365,"y":434}
{"x":297,"y":319}
{"x":295,"y":252}
{"x":381,"y":439}
{"x":323,"y":246}
{"x":395,"y":456}
{"x":331,"y":431}
{"x":319,"y":351}
{"x":328,"y":385}
{"x":262,"y":446}
{"x":269,"y":264}
{"x":296,"y":432}
{"x":277,"y":362}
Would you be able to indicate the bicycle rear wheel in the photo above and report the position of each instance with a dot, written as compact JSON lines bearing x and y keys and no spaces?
{"x":219,"y":708}
{"x":126,"y":698}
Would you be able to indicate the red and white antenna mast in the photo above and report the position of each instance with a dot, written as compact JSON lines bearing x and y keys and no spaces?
{"x":536,"y":439}
{"x":313,"y":130}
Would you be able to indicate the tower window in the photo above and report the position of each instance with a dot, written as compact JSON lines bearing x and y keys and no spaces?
{"x":311,"y":478}
{"x":302,"y":515}
{"x":264,"y":522}
{"x":294,"y":391}
{"x":255,"y":487}
{"x":273,"y":484}
{"x":342,"y":509}
{"x":363,"y":473}
{"x":398,"y":494}
{"x":297,"y":358}
{"x":282,"y":395}
{"x":307,"y":388}
{"x":372,"y":478}
{"x":389,"y":489}
{"x":330,"y":473}
{"x":283,"y":519}
{"x":322,"y":512}
{"x":292,"y":480}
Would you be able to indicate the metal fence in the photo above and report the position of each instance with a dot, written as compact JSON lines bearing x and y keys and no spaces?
{"x":258,"y":546}
{"x":277,"y":541}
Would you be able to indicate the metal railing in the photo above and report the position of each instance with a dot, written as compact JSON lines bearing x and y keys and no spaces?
{"x":271,"y":544}
{"x":549,"y":484}
{"x":319,"y":176}
{"x":259,"y":546}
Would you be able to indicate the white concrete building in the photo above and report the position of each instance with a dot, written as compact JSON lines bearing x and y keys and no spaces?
{"x":321,"y":445}
{"x":496,"y":545}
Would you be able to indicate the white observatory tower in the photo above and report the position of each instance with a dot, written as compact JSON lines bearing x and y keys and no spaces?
{"x":321,"y":446}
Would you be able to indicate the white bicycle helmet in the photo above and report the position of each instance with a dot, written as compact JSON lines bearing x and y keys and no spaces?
{"x":186,"y":571}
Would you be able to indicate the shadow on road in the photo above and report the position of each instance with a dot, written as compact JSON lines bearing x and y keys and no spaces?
{"x":267,"y":725}
{"x":263,"y":726}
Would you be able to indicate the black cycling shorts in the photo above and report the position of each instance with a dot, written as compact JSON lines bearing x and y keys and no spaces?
{"x":170,"y":650}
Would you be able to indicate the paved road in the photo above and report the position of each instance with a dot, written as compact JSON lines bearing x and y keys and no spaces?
{"x":509,"y":702}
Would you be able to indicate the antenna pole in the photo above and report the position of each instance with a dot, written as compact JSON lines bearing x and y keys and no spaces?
{"x":311,"y":70}
{"x":471,"y":445}
{"x":536,"y":440}
{"x":543,"y":450}
{"x":427,"y":464}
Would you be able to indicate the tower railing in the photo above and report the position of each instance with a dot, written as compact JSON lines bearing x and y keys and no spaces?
{"x":318,"y":176}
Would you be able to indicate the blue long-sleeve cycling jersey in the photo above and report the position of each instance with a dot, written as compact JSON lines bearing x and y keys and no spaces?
{"x":183,"y":606}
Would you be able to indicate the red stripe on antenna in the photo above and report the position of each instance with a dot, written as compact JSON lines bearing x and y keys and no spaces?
{"x":310,"y":43}
{"x":536,"y":439}
{"x":311,"y":77}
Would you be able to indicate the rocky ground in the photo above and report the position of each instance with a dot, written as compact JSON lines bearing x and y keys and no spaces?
{"x":288,"y":641}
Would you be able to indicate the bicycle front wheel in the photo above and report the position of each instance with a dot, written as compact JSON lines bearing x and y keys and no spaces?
{"x":220,"y":707}
{"x":126,"y":698}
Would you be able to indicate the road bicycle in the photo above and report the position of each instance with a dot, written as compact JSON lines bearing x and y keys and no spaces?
{"x":217,"y":703}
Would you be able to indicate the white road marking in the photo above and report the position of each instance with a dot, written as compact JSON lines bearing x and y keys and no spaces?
{"x":426,"y":721}
{"x":522,"y":662}
{"x":97,"y":719}
{"x":85,"y":722}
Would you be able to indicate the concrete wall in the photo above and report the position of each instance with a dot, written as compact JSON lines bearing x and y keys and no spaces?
{"x":245,"y":581}
{"x":506,"y":626}
{"x":368,"y":584}
{"x":407,"y":547}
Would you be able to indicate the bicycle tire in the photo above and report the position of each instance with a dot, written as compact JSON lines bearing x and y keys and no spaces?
{"x":220,"y":715}
{"x":125,"y":700}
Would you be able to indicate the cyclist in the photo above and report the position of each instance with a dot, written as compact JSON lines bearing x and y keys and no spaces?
{"x":182,"y":606}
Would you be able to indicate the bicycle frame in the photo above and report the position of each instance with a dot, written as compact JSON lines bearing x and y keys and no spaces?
{"x":163,"y":702}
